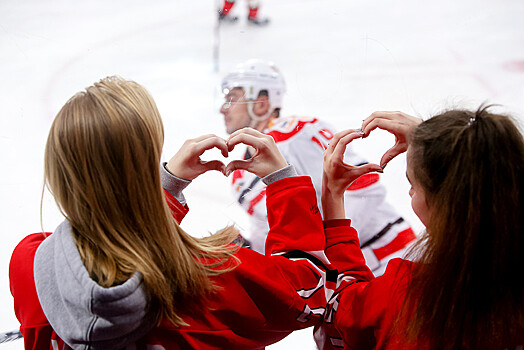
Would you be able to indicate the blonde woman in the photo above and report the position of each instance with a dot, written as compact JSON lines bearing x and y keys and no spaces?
{"x":120,"y":272}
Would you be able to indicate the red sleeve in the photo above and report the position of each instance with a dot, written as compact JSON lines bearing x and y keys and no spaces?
{"x":343,"y":250}
{"x":293,"y":215}
{"x":297,"y":233}
{"x":288,"y":292}
{"x":34,"y":326}
{"x":177,"y":209}
{"x":367,"y":310}
{"x":363,"y":307}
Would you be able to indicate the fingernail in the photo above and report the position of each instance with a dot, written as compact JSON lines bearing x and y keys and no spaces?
{"x":383,"y":167}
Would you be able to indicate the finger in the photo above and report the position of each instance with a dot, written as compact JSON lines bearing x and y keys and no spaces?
{"x":392,"y":126}
{"x":391,"y":115}
{"x":209,"y":143}
{"x":237,"y":165}
{"x":375,"y":115}
{"x":384,"y":115}
{"x":341,"y":146}
{"x":369,"y":125}
{"x":203,"y":137}
{"x":249,"y":139}
{"x":249,"y":131}
{"x":390,"y":154}
{"x":374,"y":124}
{"x":336,"y":138}
{"x":368,"y":168}
{"x":214,"y":165}
{"x":406,"y":120}
{"x":357,"y":172}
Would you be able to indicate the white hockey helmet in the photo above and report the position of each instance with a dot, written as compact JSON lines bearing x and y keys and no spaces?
{"x":255,"y":75}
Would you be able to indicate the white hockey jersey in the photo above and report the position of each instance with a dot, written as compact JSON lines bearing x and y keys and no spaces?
{"x":383,"y":233}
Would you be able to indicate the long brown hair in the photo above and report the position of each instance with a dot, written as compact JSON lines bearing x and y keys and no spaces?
{"x":467,"y":291}
{"x":102,"y":162}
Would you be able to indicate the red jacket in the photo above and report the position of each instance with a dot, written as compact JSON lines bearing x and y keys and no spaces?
{"x":364,"y":308}
{"x":260,"y":302}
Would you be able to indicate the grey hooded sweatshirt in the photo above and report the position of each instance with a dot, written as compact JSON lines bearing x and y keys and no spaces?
{"x":84,"y":314}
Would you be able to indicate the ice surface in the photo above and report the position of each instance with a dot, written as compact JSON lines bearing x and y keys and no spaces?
{"x":342,"y":60}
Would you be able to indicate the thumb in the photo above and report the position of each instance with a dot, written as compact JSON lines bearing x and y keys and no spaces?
{"x":214,"y":165}
{"x":368,"y":168}
{"x":236,"y":165}
{"x":389,"y":155}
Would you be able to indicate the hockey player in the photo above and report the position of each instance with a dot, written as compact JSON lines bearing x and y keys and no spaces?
{"x":253,"y":97}
{"x":252,"y":18}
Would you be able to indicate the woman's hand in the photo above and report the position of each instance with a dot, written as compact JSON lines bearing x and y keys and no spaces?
{"x":397,"y":123}
{"x":267,"y":158}
{"x":338,"y":175}
{"x":186,"y":163}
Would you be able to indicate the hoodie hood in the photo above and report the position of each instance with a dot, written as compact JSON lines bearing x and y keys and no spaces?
{"x":82,"y":313}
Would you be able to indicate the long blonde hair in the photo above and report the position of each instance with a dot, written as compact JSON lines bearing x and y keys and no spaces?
{"x":102,"y":162}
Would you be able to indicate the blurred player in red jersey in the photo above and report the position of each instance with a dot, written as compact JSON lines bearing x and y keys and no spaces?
{"x":252,"y":17}
{"x":253,"y":98}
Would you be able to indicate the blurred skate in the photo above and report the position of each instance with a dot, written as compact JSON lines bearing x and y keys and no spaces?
{"x":255,"y":21}
{"x":224,"y":16}
{"x":227,"y":18}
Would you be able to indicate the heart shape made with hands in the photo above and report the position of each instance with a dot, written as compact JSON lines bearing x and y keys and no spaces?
{"x":189,"y":162}
{"x":232,"y":153}
{"x":337,"y":169}
{"x":210,"y":152}
{"x":217,"y":154}
{"x":221,"y":152}
{"x":375,"y":143}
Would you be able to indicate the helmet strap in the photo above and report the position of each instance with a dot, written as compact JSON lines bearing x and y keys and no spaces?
{"x":255,"y":119}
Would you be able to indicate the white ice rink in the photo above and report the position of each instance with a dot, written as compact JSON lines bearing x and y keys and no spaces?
{"x":342,"y":60}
